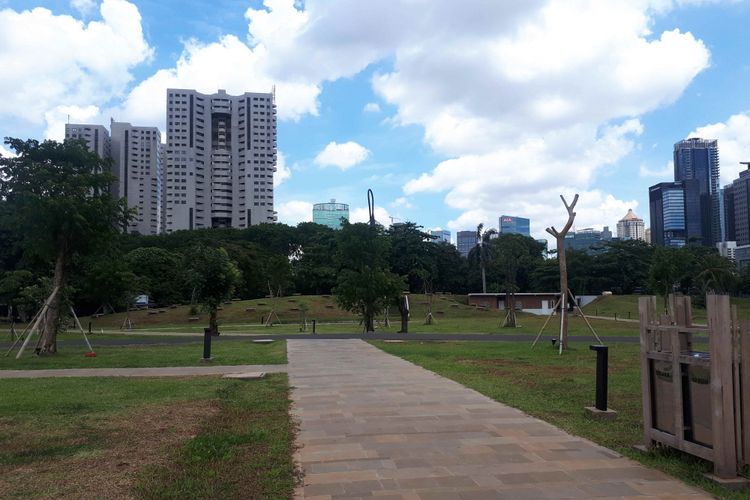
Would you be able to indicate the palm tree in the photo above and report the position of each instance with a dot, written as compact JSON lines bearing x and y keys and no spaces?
{"x":483,"y":237}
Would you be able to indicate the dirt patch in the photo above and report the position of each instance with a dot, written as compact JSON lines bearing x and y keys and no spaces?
{"x":105,"y":457}
{"x":522,"y":369}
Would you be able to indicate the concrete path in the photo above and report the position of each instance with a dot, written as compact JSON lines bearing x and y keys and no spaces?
{"x":374,"y":425}
{"x":168,"y":371}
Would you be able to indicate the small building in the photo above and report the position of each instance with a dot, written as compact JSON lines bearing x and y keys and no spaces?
{"x":531,"y":302}
{"x":330,"y":214}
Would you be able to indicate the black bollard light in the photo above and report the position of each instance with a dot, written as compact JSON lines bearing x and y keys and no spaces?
{"x":602,"y":362}
{"x":206,"y":344}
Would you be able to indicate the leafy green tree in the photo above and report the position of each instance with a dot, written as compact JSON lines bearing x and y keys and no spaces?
{"x":213,"y":277}
{"x":160,"y":274}
{"x":365,"y":285}
{"x":410,"y":256}
{"x":668,"y":267}
{"x":482,"y":253}
{"x":58,"y":193}
{"x":513,"y":254}
{"x":107,"y":280}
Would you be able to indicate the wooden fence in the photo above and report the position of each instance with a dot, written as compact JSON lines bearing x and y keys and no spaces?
{"x":695,"y":400}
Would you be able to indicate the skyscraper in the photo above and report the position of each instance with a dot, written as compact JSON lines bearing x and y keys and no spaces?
{"x":96,"y":137}
{"x":697,"y":160}
{"x":137,"y":155}
{"x":137,"y":163}
{"x":510,"y":224}
{"x":220,"y":159}
{"x":668,"y":214}
{"x":441,"y":235}
{"x":330,"y":214}
{"x":741,"y":205}
{"x":631,"y":227}
{"x":465,"y":241}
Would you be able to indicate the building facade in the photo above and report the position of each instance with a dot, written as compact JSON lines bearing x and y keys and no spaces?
{"x":465,"y":241}
{"x":631,"y":227}
{"x":668,"y":214}
{"x":697,"y":160}
{"x":96,"y":136}
{"x":137,"y":163}
{"x":220,"y":159}
{"x":510,"y":224}
{"x":137,"y":156}
{"x":330,"y":214}
{"x":741,"y":208}
{"x":441,"y":236}
{"x":588,"y":239}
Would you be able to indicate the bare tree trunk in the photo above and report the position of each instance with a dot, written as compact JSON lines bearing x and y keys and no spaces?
{"x":564,"y":291}
{"x":213,"y":323}
{"x":369,"y":322}
{"x":54,"y":311}
{"x":511,"y":307}
{"x":484,"y":279}
{"x":404,"y":312}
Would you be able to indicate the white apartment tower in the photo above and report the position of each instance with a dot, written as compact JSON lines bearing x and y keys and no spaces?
{"x":220,"y":159}
{"x":137,"y":163}
{"x":137,"y":158}
{"x":96,"y":137}
{"x":631,"y":227}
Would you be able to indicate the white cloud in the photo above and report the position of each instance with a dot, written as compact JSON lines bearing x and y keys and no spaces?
{"x":372,"y":107}
{"x":49,"y":61}
{"x":401,"y":202}
{"x":282,"y":171}
{"x":84,"y":7}
{"x":734,"y":143}
{"x":57,"y":117}
{"x":362,"y":214}
{"x":665,"y":172}
{"x":6,"y":153}
{"x":343,"y":156}
{"x":295,"y":211}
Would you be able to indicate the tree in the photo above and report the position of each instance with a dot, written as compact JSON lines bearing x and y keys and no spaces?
{"x":58,"y":195}
{"x":160,"y":274}
{"x":483,"y":252}
{"x":513,"y":253}
{"x":410,"y":254}
{"x":213,"y":277}
{"x":668,"y":266}
{"x":365,"y":285}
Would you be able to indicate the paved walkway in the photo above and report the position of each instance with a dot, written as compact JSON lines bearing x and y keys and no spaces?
{"x":372,"y":424}
{"x":168,"y":371}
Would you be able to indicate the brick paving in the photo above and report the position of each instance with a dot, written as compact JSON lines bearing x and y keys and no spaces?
{"x":375,"y":426}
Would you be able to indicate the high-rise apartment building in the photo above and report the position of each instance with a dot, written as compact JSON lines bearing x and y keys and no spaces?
{"x":728,"y":223}
{"x":631,"y":227}
{"x":441,"y":235}
{"x":510,"y":224}
{"x":697,"y":160}
{"x":330,"y":214}
{"x":465,"y":241}
{"x":741,"y":205}
{"x":96,"y":137}
{"x":668,"y":214}
{"x":220,"y":159}
{"x":137,"y":156}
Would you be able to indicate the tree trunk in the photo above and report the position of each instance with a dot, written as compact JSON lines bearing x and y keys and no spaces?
{"x":484,"y":280}
{"x":510,"y":305}
{"x":54,"y":311}
{"x":213,"y":323}
{"x":369,"y":322}
{"x":564,"y":292}
{"x":404,"y":312}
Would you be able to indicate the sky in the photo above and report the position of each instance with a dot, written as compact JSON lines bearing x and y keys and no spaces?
{"x":453,"y":113}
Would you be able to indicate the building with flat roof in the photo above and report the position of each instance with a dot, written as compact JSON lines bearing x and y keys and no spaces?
{"x":330,"y":214}
{"x":668,"y":214}
{"x":465,"y":241}
{"x":96,"y":137}
{"x":220,"y":159}
{"x":697,"y":160}
{"x":510,"y":224}
{"x":441,"y":235}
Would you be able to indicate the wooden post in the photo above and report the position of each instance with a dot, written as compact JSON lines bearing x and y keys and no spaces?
{"x":722,"y":394}
{"x":647,"y":312}
{"x":560,"y":239}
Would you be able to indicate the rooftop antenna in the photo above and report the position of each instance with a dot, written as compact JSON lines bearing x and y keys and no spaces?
{"x":371,"y":206}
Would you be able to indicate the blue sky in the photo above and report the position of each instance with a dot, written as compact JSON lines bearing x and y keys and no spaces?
{"x":452,"y":112}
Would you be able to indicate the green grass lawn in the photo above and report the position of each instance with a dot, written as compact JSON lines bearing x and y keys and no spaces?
{"x":224,"y":352}
{"x":626,"y":306}
{"x":165,"y":437}
{"x":556,"y":389}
